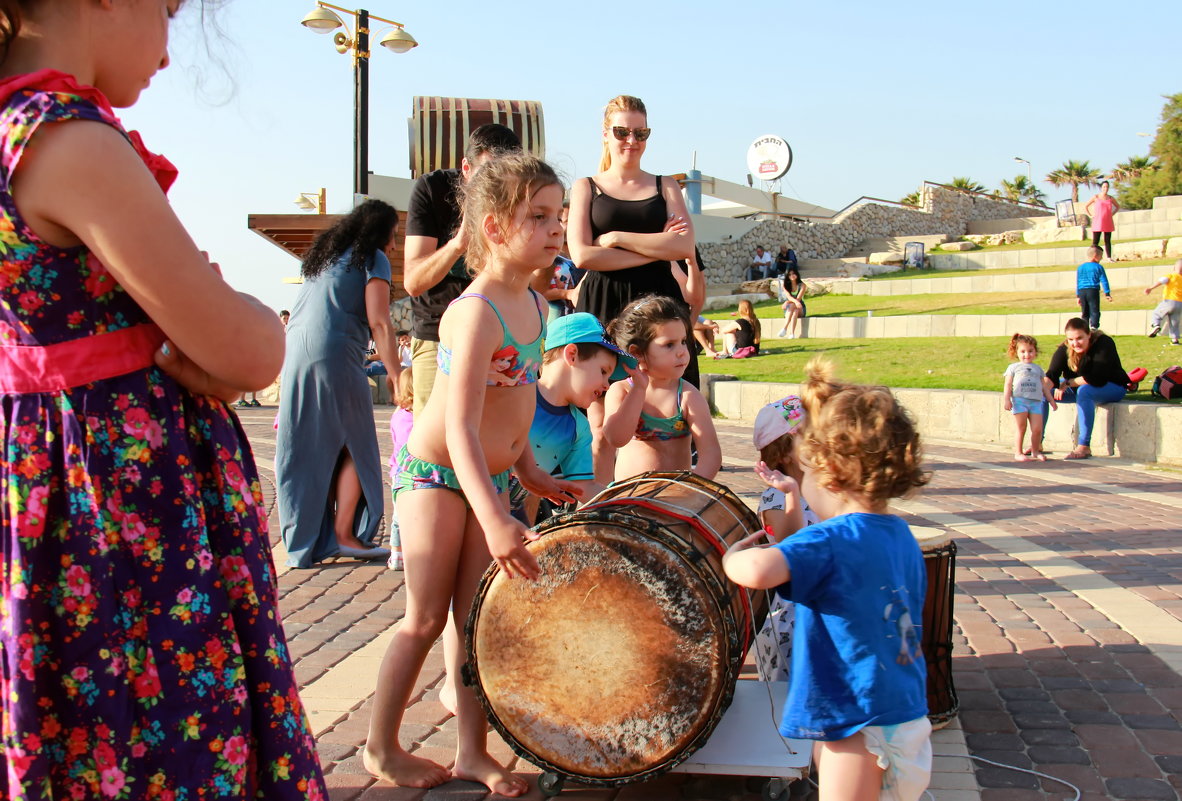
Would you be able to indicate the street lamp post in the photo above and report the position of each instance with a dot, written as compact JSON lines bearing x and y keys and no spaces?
{"x":1029,"y":171}
{"x":322,"y":20}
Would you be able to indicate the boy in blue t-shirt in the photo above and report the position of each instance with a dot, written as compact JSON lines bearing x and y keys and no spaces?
{"x":578,"y":364}
{"x":858,"y":683}
{"x":1090,"y":278}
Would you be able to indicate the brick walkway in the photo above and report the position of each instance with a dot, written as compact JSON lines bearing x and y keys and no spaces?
{"x":1068,"y":642}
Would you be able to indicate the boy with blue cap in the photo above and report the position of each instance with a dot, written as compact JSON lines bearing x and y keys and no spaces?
{"x":577,"y":366}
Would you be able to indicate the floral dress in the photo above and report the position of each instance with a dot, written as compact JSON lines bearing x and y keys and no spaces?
{"x":141,"y":651}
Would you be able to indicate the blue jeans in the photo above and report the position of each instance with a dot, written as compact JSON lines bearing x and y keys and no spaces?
{"x":1089,"y":305}
{"x":1085,"y":397}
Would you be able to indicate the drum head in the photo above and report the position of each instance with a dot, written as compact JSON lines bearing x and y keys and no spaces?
{"x":931,"y":539}
{"x":612,"y":662}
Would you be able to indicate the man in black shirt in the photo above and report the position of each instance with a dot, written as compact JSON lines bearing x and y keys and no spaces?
{"x":434,"y":272}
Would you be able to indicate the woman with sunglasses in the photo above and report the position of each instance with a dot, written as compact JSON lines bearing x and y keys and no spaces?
{"x":627,"y":227}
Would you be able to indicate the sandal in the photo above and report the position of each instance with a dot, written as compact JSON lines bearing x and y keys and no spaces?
{"x":1081,"y":452}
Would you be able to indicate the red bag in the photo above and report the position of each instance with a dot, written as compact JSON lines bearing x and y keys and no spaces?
{"x":1168,"y":385}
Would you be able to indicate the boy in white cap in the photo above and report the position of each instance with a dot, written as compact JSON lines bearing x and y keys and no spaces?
{"x":577,"y":366}
{"x":783,"y":512}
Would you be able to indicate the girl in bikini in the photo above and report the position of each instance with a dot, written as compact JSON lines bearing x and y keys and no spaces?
{"x":651,"y":416}
{"x":454,"y":470}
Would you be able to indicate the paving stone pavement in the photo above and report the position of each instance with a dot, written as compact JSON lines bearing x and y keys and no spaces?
{"x":1068,"y":639}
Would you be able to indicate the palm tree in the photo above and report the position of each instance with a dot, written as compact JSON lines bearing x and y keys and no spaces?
{"x":1075,"y":173}
{"x":1132,"y":168}
{"x":912,"y":199}
{"x":965,"y":185}
{"x":1022,"y":188}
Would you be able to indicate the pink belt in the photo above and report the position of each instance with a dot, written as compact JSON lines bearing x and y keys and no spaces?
{"x":51,"y":368}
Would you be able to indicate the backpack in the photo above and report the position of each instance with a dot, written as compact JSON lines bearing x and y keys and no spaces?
{"x":1168,"y":385}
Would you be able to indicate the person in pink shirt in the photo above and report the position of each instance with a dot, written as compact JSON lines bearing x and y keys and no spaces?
{"x":1101,"y":208}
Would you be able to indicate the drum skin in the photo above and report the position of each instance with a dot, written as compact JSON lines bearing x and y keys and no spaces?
{"x":617,"y":662}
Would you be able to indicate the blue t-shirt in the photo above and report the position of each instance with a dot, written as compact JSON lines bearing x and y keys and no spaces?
{"x":1091,"y":275}
{"x":561,"y":439}
{"x":858,"y":582}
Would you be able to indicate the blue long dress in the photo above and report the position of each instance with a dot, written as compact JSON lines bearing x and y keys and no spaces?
{"x":324,"y":408}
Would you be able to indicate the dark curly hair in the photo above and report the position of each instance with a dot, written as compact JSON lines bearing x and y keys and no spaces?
{"x":636,"y":324}
{"x":365,"y":229}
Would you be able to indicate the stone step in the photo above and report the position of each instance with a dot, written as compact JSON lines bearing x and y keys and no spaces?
{"x":1050,"y":257}
{"x":983,"y":284}
{"x":1128,"y":322}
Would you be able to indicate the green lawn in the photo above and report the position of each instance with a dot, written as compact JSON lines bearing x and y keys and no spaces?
{"x":963,"y":303}
{"x":1057,"y":268}
{"x":925,"y":362}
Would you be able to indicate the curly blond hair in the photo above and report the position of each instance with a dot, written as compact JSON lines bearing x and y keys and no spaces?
{"x":858,"y":439}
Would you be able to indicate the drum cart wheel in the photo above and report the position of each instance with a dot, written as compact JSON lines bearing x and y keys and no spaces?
{"x":776,"y":790}
{"x":550,"y":784}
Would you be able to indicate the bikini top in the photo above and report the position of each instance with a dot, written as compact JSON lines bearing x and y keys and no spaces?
{"x":514,"y":364}
{"x":650,"y":428}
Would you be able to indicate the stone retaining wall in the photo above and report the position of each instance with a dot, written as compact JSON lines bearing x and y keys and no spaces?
{"x":944,"y":211}
{"x":1145,"y":432}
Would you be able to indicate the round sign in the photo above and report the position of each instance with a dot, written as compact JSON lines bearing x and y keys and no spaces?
{"x":768,"y":158}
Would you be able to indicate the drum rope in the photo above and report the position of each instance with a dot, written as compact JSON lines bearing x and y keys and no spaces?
{"x":701,"y":491}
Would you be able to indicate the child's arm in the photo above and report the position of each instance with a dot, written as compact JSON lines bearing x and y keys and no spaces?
{"x":1047,"y":395}
{"x":474,"y":332}
{"x":1009,"y":392}
{"x":701,"y":425}
{"x":83,"y":182}
{"x":749,"y":565}
{"x":791,"y":519}
{"x":622,"y":407}
{"x":540,"y":483}
{"x":1156,"y":284}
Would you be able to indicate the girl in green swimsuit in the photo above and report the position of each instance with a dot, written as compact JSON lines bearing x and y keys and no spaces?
{"x":453,"y":510}
{"x":652,"y":416}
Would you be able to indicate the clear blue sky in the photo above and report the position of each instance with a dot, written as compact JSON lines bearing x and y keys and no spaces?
{"x":873,"y":97}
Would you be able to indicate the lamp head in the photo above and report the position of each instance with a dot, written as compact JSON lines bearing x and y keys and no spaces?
{"x":304,"y":203}
{"x":321,"y":20}
{"x":398,"y":40}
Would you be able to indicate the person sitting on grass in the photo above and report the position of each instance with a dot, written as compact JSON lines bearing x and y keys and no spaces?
{"x":705,"y":332}
{"x":740,"y":337}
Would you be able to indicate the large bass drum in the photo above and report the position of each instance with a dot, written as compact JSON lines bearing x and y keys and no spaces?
{"x":616,"y":664}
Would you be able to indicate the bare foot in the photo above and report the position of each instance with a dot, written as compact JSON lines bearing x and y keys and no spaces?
{"x":1042,"y":457}
{"x":404,"y":769}
{"x":447,"y":693}
{"x":1021,"y":457}
{"x":486,"y":770}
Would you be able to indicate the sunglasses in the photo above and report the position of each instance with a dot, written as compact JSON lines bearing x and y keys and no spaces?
{"x":621,"y":133}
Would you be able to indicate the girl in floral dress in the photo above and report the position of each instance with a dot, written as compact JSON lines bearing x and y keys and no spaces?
{"x":141,"y":651}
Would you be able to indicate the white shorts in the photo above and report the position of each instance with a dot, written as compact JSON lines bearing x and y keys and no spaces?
{"x":904,"y":751}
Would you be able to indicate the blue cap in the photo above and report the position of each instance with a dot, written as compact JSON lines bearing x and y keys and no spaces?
{"x":572,"y":329}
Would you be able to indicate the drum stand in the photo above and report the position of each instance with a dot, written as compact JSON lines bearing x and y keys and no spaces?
{"x":746,"y":742}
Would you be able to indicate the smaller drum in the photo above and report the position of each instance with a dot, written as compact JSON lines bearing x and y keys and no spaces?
{"x":939,"y":559}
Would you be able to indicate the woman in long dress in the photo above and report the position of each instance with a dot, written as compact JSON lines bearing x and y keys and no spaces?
{"x":326,"y":460}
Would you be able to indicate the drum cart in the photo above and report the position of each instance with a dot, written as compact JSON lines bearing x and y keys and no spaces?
{"x":745,"y":743}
